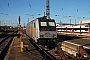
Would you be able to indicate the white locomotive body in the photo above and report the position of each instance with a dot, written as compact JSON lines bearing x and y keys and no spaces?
{"x":42,"y":30}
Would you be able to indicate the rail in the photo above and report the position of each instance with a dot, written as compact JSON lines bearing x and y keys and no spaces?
{"x":4,"y":45}
{"x":46,"y":55}
{"x":61,"y":53}
{"x":83,"y":52}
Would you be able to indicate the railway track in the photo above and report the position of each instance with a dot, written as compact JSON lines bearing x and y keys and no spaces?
{"x":46,"y":55}
{"x":58,"y":53}
{"x":4,"y":45}
{"x":42,"y":50}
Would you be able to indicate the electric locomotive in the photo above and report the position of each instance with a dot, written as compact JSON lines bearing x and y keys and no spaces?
{"x":42,"y":31}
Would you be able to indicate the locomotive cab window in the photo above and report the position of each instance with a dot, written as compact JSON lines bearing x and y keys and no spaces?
{"x":51,"y":23}
{"x":43,"y":23}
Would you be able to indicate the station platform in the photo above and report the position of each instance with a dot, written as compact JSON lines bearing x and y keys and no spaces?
{"x":28,"y":53}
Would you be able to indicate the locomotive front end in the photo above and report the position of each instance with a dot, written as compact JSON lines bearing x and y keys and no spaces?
{"x":48,"y":29}
{"x":47,"y":32}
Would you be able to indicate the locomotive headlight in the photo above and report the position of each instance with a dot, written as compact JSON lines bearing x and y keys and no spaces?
{"x":54,"y":35}
{"x":41,"y":35}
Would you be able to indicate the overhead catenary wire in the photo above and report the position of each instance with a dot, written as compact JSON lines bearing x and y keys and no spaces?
{"x":5,"y":13}
{"x":82,"y":3}
{"x":77,"y":10}
{"x":40,"y":9}
{"x":4,"y":10}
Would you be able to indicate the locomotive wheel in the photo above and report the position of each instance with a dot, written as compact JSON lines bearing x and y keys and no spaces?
{"x":52,"y":44}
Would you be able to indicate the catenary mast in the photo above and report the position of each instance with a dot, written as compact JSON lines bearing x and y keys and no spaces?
{"x":48,"y":9}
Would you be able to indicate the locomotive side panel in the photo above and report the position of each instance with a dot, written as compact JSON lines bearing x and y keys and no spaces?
{"x":35,"y":30}
{"x":32,"y":29}
{"x":27,"y":29}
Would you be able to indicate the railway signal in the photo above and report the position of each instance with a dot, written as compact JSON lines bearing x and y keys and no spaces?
{"x":19,"y":19}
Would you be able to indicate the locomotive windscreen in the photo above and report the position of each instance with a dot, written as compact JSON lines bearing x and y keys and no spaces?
{"x":48,"y":25}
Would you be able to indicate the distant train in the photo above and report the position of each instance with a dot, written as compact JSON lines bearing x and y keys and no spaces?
{"x":42,"y":30}
{"x":73,"y":28}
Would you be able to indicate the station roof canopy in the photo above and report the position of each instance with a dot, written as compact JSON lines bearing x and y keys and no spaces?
{"x":85,"y":22}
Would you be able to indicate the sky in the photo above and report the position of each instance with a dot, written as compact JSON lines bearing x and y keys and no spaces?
{"x":64,"y":10}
